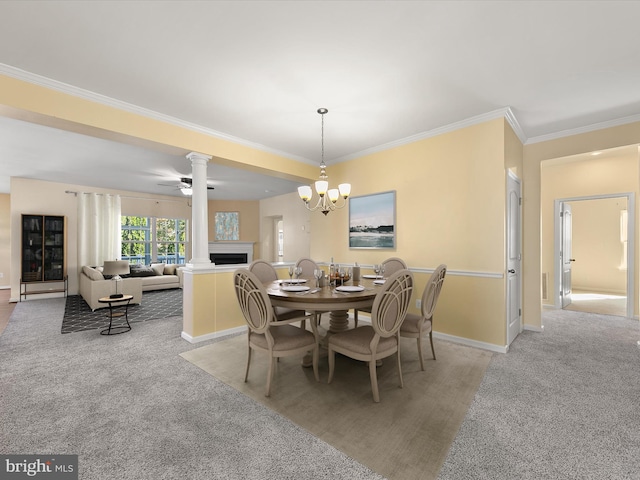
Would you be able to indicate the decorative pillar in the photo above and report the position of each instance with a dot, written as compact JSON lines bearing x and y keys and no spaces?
{"x":199,"y":212}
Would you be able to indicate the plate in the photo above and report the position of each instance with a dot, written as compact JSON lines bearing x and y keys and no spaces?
{"x":294,"y":288}
{"x":370,"y":276}
{"x":350,"y":288}
{"x":379,"y":282}
{"x":293,"y":281}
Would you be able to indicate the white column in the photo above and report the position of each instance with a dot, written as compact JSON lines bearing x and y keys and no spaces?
{"x":199,"y":212}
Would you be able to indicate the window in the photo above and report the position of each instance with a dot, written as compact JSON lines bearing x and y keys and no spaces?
{"x":150,"y":239}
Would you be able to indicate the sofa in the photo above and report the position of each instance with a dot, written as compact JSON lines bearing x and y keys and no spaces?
{"x":142,"y":278}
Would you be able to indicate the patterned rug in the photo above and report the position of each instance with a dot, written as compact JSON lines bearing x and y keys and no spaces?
{"x":156,"y":304}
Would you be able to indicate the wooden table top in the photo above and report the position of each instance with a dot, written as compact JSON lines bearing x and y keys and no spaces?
{"x":323,"y":299}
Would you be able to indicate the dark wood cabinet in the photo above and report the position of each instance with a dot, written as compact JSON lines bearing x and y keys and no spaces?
{"x":43,"y":255}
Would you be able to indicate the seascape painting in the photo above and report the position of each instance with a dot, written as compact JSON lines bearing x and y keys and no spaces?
{"x":372,"y":221}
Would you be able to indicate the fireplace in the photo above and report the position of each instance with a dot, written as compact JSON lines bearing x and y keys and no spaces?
{"x":230,"y":253}
{"x":228,"y":258}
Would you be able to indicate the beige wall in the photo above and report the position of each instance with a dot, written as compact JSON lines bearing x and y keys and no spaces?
{"x":248,"y":218}
{"x":296,"y":223}
{"x":607,"y":174}
{"x":450,"y":208}
{"x":598,"y":249}
{"x":534,"y":155}
{"x":5,"y":240}
{"x":49,"y":198}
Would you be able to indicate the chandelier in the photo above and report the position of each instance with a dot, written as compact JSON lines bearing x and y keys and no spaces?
{"x":327,"y":197}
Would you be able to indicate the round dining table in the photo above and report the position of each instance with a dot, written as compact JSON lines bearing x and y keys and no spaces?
{"x":325,"y":299}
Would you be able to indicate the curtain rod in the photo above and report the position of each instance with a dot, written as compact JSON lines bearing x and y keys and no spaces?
{"x":124,"y":196}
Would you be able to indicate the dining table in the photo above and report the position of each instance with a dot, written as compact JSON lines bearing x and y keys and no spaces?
{"x":337,"y":300}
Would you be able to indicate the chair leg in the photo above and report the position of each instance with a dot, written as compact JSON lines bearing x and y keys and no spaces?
{"x":419,"y":340}
{"x":432,"y":349}
{"x":400,"y":369}
{"x":374,"y":380}
{"x":272,"y":365}
{"x":332,"y":363}
{"x":246,"y":373}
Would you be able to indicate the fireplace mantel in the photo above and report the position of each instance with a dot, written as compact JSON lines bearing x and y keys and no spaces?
{"x":232,"y":248}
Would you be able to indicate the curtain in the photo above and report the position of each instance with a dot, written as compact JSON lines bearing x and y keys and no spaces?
{"x":99,"y":237}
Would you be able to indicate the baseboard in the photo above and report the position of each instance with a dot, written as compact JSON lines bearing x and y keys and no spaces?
{"x":450,"y":338}
{"x":471,"y":343}
{"x":213,"y":335}
{"x":532,"y":328}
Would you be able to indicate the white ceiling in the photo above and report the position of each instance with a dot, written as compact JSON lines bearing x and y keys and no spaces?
{"x":257,"y":71}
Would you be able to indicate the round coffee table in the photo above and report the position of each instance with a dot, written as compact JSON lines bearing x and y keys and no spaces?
{"x":122,"y":301}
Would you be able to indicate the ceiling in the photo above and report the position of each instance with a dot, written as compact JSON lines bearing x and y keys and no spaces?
{"x":257,"y":71}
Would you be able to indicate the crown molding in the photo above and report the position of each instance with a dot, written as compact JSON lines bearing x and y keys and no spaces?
{"x":128,"y":107}
{"x":586,"y":129}
{"x":505,"y":113}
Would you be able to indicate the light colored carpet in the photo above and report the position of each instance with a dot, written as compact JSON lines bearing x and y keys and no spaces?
{"x":601,"y":303}
{"x":132,"y":409}
{"x":405,"y":436}
{"x":562,"y":404}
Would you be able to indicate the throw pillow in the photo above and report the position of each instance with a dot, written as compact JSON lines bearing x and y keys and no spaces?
{"x":141,"y":271}
{"x":170,"y":269}
{"x":158,"y":268}
{"x":92,"y":273}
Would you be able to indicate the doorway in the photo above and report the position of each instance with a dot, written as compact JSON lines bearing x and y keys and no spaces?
{"x":594,"y":253}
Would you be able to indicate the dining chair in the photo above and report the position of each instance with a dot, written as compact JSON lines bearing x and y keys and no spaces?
{"x":391,"y":265}
{"x":267,"y":274}
{"x":416,"y":325}
{"x":381,"y":339}
{"x":308,"y":267}
{"x":265,"y":334}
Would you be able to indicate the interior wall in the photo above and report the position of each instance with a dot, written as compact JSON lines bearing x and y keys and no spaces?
{"x":534,"y":154}
{"x":450,"y":208}
{"x":248,"y":219}
{"x":597,"y":247}
{"x":49,"y":198}
{"x":297,"y":227}
{"x":5,"y":240}
{"x":600,"y":175}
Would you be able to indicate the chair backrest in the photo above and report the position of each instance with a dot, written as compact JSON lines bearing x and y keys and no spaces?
{"x":263,"y":270}
{"x":253,"y":300}
{"x":393,"y":265}
{"x":391,"y":303}
{"x":432,"y":291}
{"x":308,"y":266}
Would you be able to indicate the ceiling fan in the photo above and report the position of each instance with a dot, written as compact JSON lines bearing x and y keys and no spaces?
{"x":185,"y":186}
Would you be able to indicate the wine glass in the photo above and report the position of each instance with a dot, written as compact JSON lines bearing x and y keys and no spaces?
{"x":376,"y":270}
{"x":317,"y":274}
{"x":298,"y":271}
{"x":381,"y":270}
{"x":341,"y":275}
{"x":291,"y":269}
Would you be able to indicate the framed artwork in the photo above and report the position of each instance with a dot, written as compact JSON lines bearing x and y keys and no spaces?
{"x":372,"y":221}
{"x":227,"y":226}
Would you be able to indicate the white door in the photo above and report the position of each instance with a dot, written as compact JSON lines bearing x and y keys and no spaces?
{"x":565,"y":253}
{"x":514,"y":258}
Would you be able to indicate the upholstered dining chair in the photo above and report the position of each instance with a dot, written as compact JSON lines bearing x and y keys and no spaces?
{"x":308,"y":267}
{"x":265,"y":334}
{"x":267,"y":274}
{"x":391,"y":266}
{"x":381,"y":339}
{"x":415,"y":326}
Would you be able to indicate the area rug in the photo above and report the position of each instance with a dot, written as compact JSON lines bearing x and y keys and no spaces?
{"x":405,"y":436}
{"x":78,"y":316}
